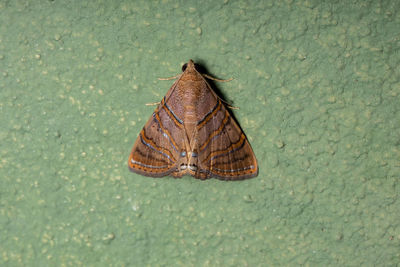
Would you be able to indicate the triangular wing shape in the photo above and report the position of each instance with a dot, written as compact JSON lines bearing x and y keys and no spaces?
{"x":223,"y":149}
{"x":157,"y":148}
{"x":192,"y":133}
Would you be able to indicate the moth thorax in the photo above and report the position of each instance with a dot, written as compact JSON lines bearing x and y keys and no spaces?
{"x":190,"y":113}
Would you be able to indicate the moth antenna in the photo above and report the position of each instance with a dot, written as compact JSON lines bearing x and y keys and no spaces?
{"x":215,"y":79}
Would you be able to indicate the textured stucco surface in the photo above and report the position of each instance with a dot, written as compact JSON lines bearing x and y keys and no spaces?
{"x":318,"y":88}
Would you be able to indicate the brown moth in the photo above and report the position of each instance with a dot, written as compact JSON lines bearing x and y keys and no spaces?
{"x":192,"y":133}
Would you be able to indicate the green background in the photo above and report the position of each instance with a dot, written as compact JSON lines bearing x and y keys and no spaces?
{"x":317,"y":83}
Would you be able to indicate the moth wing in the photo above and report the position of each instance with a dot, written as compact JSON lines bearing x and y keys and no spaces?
{"x":155,"y":152}
{"x":224,"y":151}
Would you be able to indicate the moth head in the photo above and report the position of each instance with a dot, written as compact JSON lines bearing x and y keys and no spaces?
{"x":191,"y":65}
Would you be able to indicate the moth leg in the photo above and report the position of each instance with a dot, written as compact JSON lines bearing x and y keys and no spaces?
{"x":215,"y":79}
{"x":153,"y":104}
{"x":231,"y":107}
{"x":169,"y":78}
{"x":228,"y":105}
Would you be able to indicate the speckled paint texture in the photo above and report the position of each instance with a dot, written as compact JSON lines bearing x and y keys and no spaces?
{"x":317,"y":83}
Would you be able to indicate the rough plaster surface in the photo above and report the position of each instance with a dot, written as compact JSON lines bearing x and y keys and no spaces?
{"x":318,"y":88}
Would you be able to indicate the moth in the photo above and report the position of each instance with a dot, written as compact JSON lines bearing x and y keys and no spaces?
{"x":192,"y":133}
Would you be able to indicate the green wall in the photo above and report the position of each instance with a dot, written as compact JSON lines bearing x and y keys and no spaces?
{"x":317,"y":83}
